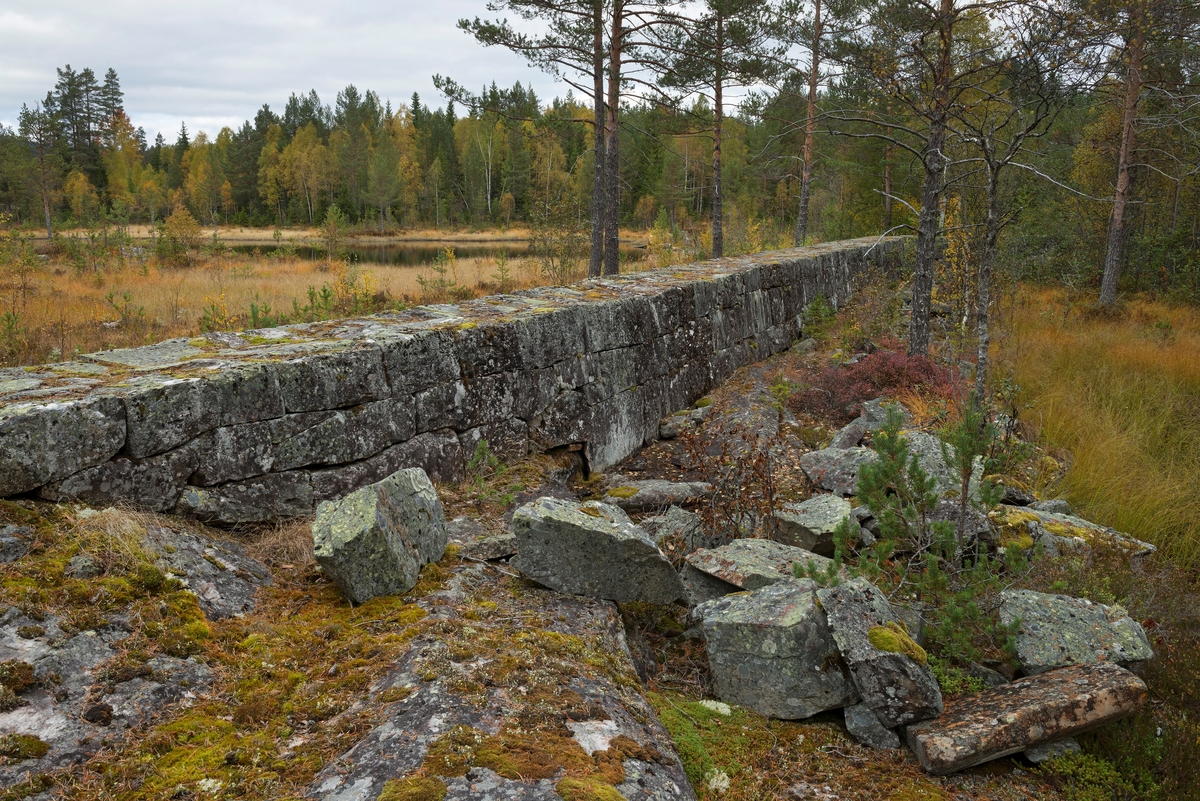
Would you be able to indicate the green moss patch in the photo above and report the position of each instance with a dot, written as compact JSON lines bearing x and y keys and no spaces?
{"x":623,"y":492}
{"x":413,"y":789}
{"x":893,"y":637}
{"x":18,"y":747}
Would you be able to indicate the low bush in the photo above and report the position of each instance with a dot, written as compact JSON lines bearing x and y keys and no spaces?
{"x":838,"y":391}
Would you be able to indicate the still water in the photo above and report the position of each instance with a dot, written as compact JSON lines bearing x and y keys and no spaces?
{"x":412,"y":254}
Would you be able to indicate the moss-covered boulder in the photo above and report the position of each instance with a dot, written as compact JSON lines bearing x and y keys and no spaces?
{"x":888,"y":668}
{"x":376,"y":540}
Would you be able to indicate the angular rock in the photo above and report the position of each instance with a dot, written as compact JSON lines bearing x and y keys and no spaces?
{"x":836,"y":469}
{"x":989,"y":677}
{"x":1056,"y":506}
{"x":1015,"y":496}
{"x":1040,"y":753}
{"x":40,"y":444}
{"x":977,"y":525}
{"x":899,"y":688}
{"x":772,"y":651}
{"x":1060,"y":532}
{"x":83,"y":566}
{"x":928,"y":450}
{"x":1058,"y":630}
{"x":699,"y":587}
{"x":810,"y":524}
{"x":678,"y":525}
{"x":642,"y":496}
{"x":865,"y":728}
{"x":376,"y":540}
{"x":333,"y":380}
{"x":751,"y":564}
{"x":14,"y":542}
{"x":1034,"y":710}
{"x":591,"y":549}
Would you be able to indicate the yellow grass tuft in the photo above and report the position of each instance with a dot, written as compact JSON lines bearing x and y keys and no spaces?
{"x":1122,"y":395}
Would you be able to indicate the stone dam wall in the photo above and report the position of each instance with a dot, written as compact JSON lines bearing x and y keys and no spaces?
{"x":249,"y":427}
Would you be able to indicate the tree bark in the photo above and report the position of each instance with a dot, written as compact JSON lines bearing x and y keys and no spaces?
{"x":810,"y":122}
{"x":987,"y":261}
{"x":612,"y":160}
{"x":935,"y":161}
{"x":718,"y":229}
{"x":599,"y":167}
{"x":1114,"y":255}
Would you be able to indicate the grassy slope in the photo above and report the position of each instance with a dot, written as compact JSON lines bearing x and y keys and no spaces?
{"x":1123,"y":398}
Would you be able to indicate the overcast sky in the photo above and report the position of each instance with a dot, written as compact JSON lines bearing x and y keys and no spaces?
{"x":214,"y":63}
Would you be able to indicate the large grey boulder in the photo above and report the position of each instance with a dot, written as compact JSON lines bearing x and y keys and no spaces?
{"x":376,"y":540}
{"x":1015,"y":717}
{"x":891,"y":677}
{"x":643,"y":496}
{"x":836,"y":469}
{"x":810,"y":524}
{"x":772,"y":651}
{"x":1058,"y":630}
{"x":591,"y":549}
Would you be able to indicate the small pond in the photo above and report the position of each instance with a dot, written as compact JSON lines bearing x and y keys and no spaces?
{"x":413,"y":254}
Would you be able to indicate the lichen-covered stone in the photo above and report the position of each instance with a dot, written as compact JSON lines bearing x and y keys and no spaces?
{"x":154,"y":483}
{"x":271,"y":497}
{"x":1058,"y":630}
{"x":751,"y":564}
{"x":811,"y":523}
{"x":591,"y":549}
{"x":836,"y":469}
{"x":14,"y":542}
{"x":43,"y":443}
{"x":643,"y":496}
{"x":772,"y":651}
{"x":333,"y":380}
{"x":678,"y":525}
{"x":223,"y":578}
{"x":347,"y":435}
{"x":900,"y":689}
{"x":864,"y":726}
{"x":376,"y":540}
{"x":1014,"y":717}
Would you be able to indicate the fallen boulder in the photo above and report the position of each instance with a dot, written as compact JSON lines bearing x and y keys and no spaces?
{"x":887,"y":667}
{"x":677,"y":526}
{"x":1058,"y":630}
{"x":644,"y":496}
{"x":836,"y":469}
{"x":1015,"y":717}
{"x":810,"y":524}
{"x":772,"y":651}
{"x":375,"y":540}
{"x":751,"y":564}
{"x":591,"y":549}
{"x":1065,"y":533}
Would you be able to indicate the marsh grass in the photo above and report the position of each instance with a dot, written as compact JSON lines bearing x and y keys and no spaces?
{"x":1121,"y":395}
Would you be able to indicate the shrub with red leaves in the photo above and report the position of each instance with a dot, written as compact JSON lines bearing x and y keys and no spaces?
{"x":839,"y":391}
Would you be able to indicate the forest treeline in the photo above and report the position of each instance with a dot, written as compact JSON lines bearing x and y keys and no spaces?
{"x":1057,"y":137}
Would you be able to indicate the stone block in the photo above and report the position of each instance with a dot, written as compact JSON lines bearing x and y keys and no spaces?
{"x":486,"y":349}
{"x":591,"y":549}
{"x":40,"y":444}
{"x":643,"y":496}
{"x":507,"y":440}
{"x":863,"y":725}
{"x":898,"y":686}
{"x":1058,"y":630}
{"x":271,"y":497}
{"x":347,"y":435}
{"x":1014,"y":717}
{"x":154,"y":483}
{"x":418,"y":361}
{"x":376,"y":540}
{"x":545,"y":337}
{"x":772,"y":651}
{"x":333,"y":380}
{"x":836,"y":469}
{"x":751,"y":564}
{"x":811,"y":523}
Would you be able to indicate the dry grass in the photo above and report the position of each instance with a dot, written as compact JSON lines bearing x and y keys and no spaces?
{"x":1122,"y":396}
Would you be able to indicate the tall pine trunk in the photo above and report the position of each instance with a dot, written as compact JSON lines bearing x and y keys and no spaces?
{"x":599,"y":167}
{"x":718,"y":228}
{"x":935,"y":164}
{"x":1115,"y":252}
{"x":612,"y":160}
{"x":810,"y":123}
{"x":987,"y":261}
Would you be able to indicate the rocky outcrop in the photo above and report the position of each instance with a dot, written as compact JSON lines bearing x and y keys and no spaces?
{"x":223,"y":578}
{"x":376,"y":540}
{"x":645,"y":496}
{"x":591,"y":549}
{"x":811,"y":523}
{"x":1014,"y":717}
{"x":1058,"y":630}
{"x":772,"y":651}
{"x":245,"y":428}
{"x":836,"y":469}
{"x":887,"y":668}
